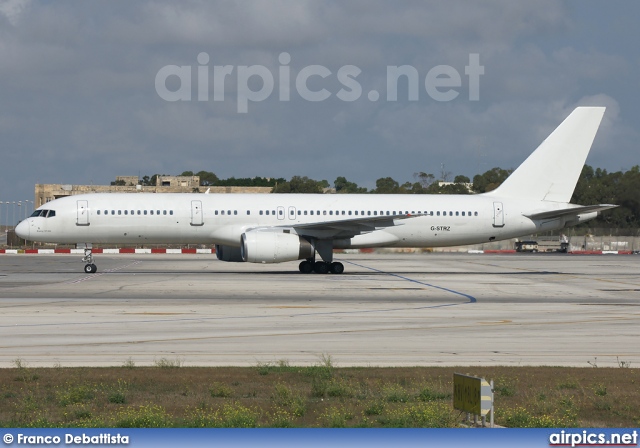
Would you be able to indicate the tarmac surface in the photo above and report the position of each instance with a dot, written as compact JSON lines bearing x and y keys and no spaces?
{"x":386,"y":310}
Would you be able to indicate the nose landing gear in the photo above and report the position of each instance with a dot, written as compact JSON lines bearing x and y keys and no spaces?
{"x":89,"y":268}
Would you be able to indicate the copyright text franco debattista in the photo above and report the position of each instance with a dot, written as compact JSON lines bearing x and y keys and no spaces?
{"x":67,"y":439}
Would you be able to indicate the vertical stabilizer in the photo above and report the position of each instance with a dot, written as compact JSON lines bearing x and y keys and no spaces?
{"x":551,"y":172}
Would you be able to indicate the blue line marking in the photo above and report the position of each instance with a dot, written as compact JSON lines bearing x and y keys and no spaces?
{"x":442,"y":288}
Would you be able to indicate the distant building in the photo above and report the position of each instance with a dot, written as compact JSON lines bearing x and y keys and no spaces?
{"x":178,"y":181}
{"x":130,"y":184}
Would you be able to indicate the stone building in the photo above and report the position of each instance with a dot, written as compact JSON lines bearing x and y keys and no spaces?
{"x":130,"y":184}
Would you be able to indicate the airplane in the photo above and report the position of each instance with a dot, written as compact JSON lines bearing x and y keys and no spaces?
{"x":275,"y":228}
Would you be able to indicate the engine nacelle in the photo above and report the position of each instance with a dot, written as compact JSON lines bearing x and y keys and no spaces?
{"x":229,"y":253}
{"x":273,"y":247}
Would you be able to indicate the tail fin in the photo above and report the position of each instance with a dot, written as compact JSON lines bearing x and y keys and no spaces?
{"x":551,"y":172}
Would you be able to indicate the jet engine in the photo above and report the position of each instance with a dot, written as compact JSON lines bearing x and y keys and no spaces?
{"x":272,"y":247}
{"x":229,"y":253}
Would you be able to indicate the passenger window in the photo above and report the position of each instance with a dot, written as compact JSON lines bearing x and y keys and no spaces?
{"x":138,"y":212}
{"x":151,"y":211}
{"x":375,"y":213}
{"x":331,"y":212}
{"x":126,"y":212}
{"x":157,"y":212}
{"x":305,"y":213}
{"x":438,"y":213}
{"x":349,"y":212}
{"x":113,"y":212}
{"x":457,"y":214}
{"x":324,"y":212}
{"x":388,"y":213}
{"x":273,"y":212}
{"x":145,"y":213}
{"x":248,"y":212}
{"x":171,"y":212}
{"x":119,"y":212}
{"x":311,"y":212}
{"x":475,"y":213}
{"x":235,"y":212}
{"x":164,"y":212}
{"x":98,"y":212}
{"x":356,"y":212}
{"x":299,"y":212}
{"x":369,"y":213}
{"x":469,"y":213}
{"x":133,"y":212}
{"x":462,"y":213}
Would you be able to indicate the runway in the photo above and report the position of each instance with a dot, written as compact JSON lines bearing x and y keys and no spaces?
{"x":386,"y":310}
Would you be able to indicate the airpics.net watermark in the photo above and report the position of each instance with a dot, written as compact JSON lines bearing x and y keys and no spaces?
{"x":441,"y":82}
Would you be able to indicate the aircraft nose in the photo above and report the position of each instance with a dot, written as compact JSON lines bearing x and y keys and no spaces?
{"x":22,"y":229}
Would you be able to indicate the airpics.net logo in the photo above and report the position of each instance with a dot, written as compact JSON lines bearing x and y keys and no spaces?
{"x":256,"y":83}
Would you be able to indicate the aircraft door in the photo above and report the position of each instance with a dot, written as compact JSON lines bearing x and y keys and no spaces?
{"x":83,"y":213}
{"x":280,"y":213}
{"x":498,"y":214}
{"x":292,"y":213}
{"x":197,"y":218}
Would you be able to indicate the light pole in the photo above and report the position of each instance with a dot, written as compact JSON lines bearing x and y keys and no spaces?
{"x":1,"y":202}
{"x":19,"y":209}
{"x":26,"y":208}
{"x":13,"y":213}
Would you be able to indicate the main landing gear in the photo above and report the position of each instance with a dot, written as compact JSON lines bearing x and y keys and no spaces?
{"x":89,"y":268}
{"x":327,"y":265}
{"x":321,"y":267}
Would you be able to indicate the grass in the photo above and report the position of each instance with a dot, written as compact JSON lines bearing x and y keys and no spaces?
{"x":284,"y":396}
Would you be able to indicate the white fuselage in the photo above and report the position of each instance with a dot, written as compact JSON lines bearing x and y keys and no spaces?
{"x":147,"y":218}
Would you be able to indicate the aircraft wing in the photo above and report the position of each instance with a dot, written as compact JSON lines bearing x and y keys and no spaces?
{"x":347,"y":228}
{"x":577,"y":210}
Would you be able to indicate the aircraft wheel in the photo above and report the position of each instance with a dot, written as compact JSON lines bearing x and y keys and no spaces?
{"x":337,"y":268}
{"x":306,"y":267}
{"x":321,"y":267}
{"x":89,"y":268}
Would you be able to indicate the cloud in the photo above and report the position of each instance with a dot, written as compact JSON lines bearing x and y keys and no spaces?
{"x":78,"y":93}
{"x":12,"y":9}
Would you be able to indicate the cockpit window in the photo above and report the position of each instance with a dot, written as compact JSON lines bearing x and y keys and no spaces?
{"x":44,"y":213}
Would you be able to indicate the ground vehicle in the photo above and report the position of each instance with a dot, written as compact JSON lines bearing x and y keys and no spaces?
{"x":526,"y":246}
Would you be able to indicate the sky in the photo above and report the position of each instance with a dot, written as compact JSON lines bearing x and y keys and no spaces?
{"x":93,"y":90}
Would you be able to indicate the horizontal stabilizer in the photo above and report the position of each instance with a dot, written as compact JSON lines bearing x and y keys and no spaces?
{"x":571,"y":211}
